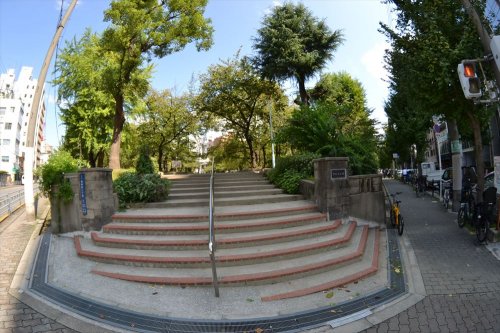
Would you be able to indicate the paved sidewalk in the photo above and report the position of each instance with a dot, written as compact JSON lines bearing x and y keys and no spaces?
{"x":461,"y":278}
{"x":15,"y":233}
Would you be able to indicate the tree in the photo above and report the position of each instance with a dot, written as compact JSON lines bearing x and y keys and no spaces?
{"x":292,"y":43}
{"x":233,"y":93}
{"x":165,"y":121}
{"x":336,"y":124}
{"x":430,"y":39}
{"x":139,"y":31}
{"x":86,"y":108}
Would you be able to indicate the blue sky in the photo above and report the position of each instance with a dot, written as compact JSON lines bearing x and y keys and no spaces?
{"x":27,"y":28}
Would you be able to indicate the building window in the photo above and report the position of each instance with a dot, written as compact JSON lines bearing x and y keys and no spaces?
{"x":5,"y":158}
{"x":13,"y":109}
{"x":6,"y":142}
{"x":2,"y":111}
{"x":8,"y":126}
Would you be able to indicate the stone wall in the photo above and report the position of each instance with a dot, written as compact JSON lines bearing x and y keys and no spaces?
{"x":93,"y":203}
{"x":367,"y":199}
{"x":341,"y":195}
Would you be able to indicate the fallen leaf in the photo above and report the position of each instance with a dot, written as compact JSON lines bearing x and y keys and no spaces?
{"x":397,"y":270}
{"x":249,"y":300}
{"x":259,"y":330}
{"x":329,"y":295}
{"x":155,"y":293}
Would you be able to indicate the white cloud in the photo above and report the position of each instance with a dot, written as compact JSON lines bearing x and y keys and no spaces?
{"x":373,"y":60}
{"x":276,"y":3}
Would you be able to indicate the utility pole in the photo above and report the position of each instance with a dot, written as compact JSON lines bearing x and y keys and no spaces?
{"x":29,"y":153}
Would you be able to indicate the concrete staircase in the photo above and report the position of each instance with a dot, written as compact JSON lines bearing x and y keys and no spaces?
{"x":264,"y":238}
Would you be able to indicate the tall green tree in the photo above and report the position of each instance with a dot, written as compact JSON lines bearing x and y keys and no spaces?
{"x":166,"y":120}
{"x":235,"y":95}
{"x":292,"y":43}
{"x":85,"y":105}
{"x":337,"y":123}
{"x":429,"y":40}
{"x":139,"y":31}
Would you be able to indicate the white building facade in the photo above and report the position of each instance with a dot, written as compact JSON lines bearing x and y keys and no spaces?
{"x":16,"y":99}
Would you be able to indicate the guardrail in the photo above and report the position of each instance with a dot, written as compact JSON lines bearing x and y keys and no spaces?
{"x":211,"y":241}
{"x":10,"y":202}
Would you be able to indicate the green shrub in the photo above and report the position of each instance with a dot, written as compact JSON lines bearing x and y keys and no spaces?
{"x":132,"y":187}
{"x":52,"y":174}
{"x":290,"y":170}
{"x":144,"y":164}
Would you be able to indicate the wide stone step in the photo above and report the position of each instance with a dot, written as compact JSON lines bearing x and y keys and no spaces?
{"x":223,"y":240}
{"x":246,"y":200}
{"x":223,"y":194}
{"x":224,"y":213}
{"x":205,"y":189}
{"x":171,"y":226}
{"x":355,"y":272}
{"x":308,"y":271}
{"x":219,"y":183}
{"x":224,"y":257}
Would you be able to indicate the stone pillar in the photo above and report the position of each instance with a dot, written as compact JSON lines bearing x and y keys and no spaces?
{"x":93,"y":203}
{"x":331,"y":186}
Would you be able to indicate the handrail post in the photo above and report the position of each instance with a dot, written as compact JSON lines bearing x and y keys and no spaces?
{"x":211,"y":241}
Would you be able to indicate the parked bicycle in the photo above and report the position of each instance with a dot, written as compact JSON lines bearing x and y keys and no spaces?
{"x":420,"y":184}
{"x":447,"y":193}
{"x":483,"y":213}
{"x":467,"y":204}
{"x":395,"y":215}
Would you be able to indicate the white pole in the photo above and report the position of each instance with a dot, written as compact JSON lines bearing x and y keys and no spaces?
{"x":272,"y":135}
{"x":29,"y":155}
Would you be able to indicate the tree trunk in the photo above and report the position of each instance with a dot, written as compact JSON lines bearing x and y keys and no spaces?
{"x":92,"y":159}
{"x":249,"y":141}
{"x":478,"y":154}
{"x":264,"y":157}
{"x":160,"y":159}
{"x":456,"y":164}
{"x":100,"y":159}
{"x":119,"y":120}
{"x":304,"y":98}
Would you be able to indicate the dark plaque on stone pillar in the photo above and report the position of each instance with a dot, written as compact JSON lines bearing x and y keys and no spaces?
{"x":338,"y":173}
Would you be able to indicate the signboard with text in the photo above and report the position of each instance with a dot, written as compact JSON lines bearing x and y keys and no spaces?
{"x":338,"y":173}
{"x":83,"y":197}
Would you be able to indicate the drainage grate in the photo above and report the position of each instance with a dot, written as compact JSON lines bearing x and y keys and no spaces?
{"x":140,"y":322}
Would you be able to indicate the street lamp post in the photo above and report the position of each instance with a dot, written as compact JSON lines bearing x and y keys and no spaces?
{"x":29,"y":151}
{"x":272,"y":134}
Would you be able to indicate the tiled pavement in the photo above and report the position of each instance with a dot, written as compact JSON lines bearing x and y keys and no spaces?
{"x":462,"y":279}
{"x":15,"y":316}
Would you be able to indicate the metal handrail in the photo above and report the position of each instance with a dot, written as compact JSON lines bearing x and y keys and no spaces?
{"x":211,"y":240}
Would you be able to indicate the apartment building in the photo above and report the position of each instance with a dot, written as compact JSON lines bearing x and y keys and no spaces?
{"x":16,"y":99}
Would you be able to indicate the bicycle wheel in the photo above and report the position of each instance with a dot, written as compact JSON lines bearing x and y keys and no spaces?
{"x":401,"y":224}
{"x":461,"y":216}
{"x":446,"y":199}
{"x":482,"y":229}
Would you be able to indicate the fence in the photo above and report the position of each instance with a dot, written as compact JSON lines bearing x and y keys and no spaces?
{"x":12,"y":201}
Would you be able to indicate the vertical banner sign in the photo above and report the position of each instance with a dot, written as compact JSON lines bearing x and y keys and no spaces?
{"x":83,"y":198}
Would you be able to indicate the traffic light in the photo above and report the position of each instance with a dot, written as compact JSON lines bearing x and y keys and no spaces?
{"x":471,"y":85}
